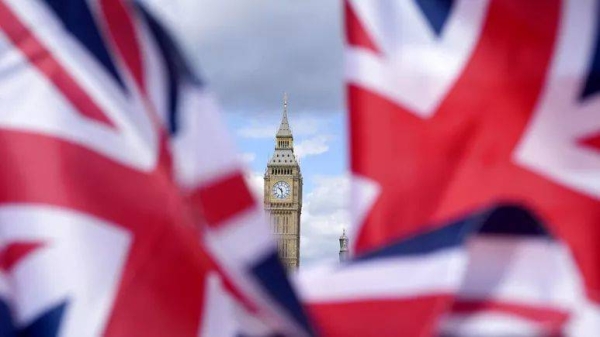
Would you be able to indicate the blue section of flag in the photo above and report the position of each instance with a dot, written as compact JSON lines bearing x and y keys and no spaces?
{"x":510,"y":220}
{"x":178,"y":70}
{"x":274,"y":281}
{"x":436,"y":12}
{"x":79,"y":21}
{"x":47,"y":324}
{"x":450,"y":236}
{"x":592,"y":83}
{"x":6,"y":324}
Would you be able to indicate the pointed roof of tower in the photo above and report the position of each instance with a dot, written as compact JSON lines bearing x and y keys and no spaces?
{"x":344,"y":237}
{"x":284,"y":128}
{"x":284,"y":147}
{"x":343,"y":246}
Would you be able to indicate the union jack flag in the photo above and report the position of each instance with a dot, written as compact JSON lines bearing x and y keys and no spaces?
{"x":123,"y":209}
{"x":456,"y":107}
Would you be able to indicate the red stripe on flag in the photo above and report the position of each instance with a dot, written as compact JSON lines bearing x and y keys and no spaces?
{"x":457,"y":160}
{"x":42,"y":59}
{"x":44,"y":170}
{"x":122,"y":31}
{"x":15,"y":252}
{"x":550,"y":317}
{"x":229,"y":283}
{"x":222,"y":199}
{"x":591,"y":142}
{"x":356,"y":34}
{"x":415,"y":316}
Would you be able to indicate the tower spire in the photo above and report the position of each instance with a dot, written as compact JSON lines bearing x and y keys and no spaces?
{"x":284,"y":127}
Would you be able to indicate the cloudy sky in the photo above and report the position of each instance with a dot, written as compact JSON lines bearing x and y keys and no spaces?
{"x":251,"y":52}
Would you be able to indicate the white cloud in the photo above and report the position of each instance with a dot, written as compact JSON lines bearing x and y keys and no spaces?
{"x":312,"y":146}
{"x":262,"y":127}
{"x":325,"y":214}
{"x":305,"y":126}
{"x":255,"y":130}
{"x":247,"y":157}
{"x":252,"y":51}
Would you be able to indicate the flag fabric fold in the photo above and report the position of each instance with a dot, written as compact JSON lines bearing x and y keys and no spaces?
{"x":455,"y":106}
{"x":485,"y":274}
{"x":114,"y":218}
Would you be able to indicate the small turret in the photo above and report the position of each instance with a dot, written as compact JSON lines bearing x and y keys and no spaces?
{"x":343,"y":247}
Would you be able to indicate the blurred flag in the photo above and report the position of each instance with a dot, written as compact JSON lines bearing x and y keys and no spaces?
{"x":457,"y":105}
{"x":452,"y":281}
{"x":123,"y":211}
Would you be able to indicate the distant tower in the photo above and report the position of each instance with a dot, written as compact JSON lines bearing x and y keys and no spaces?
{"x":283,"y":194}
{"x":343,"y":247}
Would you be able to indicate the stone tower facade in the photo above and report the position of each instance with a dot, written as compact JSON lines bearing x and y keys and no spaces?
{"x":343,"y":247}
{"x":283,"y":195}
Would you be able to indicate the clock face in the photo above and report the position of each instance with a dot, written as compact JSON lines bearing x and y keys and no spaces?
{"x":281,"y":190}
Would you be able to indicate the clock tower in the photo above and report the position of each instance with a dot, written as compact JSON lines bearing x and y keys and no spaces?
{"x":283,"y":195}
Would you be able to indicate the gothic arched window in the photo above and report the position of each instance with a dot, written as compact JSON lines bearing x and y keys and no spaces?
{"x":284,"y":253}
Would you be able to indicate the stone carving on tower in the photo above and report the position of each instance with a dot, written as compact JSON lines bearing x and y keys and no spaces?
{"x":283,"y":194}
